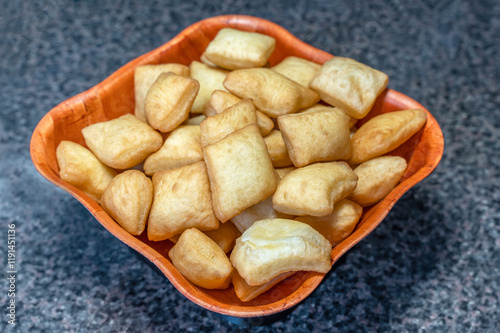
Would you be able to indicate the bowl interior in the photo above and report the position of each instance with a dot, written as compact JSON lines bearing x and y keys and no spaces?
{"x":115,"y":97}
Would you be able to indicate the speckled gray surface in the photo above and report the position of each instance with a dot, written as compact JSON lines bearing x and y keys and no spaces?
{"x":431,"y":266}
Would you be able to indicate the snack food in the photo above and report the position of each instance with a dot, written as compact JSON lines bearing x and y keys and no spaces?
{"x":210,"y":79}
{"x":297,"y":69}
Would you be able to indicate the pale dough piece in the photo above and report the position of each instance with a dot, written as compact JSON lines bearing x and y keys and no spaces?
{"x":79,"y":167}
{"x":123,"y":142}
{"x":349,"y":85}
{"x":277,"y":149}
{"x":297,"y":69}
{"x":225,"y":236}
{"x":169,"y":101}
{"x":182,"y":147}
{"x":181,"y":200}
{"x":196,"y":120}
{"x":317,"y":107}
{"x":314,"y":189}
{"x":338,"y":225}
{"x":317,"y":136}
{"x":246,"y":292}
{"x":271,"y":92}
{"x":128,"y":199}
{"x":235,"y":49}
{"x":276,"y":246}
{"x":201,"y":260}
{"x":384,"y":133}
{"x":145,"y":76}
{"x":233,"y":118}
{"x":376,"y":178}
{"x":210,"y":79}
{"x":241,"y":172}
{"x":282,"y":172}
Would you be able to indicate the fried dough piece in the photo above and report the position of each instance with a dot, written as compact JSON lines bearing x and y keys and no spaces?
{"x":123,"y":142}
{"x":241,"y":172}
{"x":276,"y":246}
{"x":384,"y":133}
{"x":246,"y":292}
{"x":318,"y":107}
{"x":282,"y":172}
{"x":145,"y":76}
{"x":271,"y":92}
{"x":169,"y":101}
{"x":201,"y":260}
{"x":376,"y":178}
{"x":314,"y":189}
{"x":181,"y":200}
{"x":182,"y":147}
{"x":210,"y":79}
{"x":128,"y":199}
{"x":221,"y":100}
{"x":195,"y":120}
{"x":277,"y":149}
{"x":297,"y":69}
{"x":233,"y":118}
{"x":349,"y":85}
{"x":79,"y":167}
{"x":235,"y":49}
{"x":338,"y":225}
{"x":225,"y":236}
{"x":317,"y":136}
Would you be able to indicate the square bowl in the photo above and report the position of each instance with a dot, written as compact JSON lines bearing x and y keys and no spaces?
{"x":115,"y":97}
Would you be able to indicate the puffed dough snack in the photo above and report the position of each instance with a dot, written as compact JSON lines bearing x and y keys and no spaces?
{"x":318,"y":107}
{"x":196,"y":120}
{"x":225,"y":236}
{"x":201,"y":260}
{"x":123,"y":142}
{"x":277,"y":149}
{"x":210,"y":79}
{"x":233,"y":118}
{"x":271,"y":92}
{"x":169,"y":101}
{"x":376,"y":178}
{"x":181,"y":200}
{"x":145,"y":76}
{"x":182,"y":147}
{"x":128,"y":199}
{"x":246,"y":292}
{"x":282,"y":172}
{"x":297,"y":69}
{"x":317,"y":136}
{"x":276,"y":246}
{"x":384,"y":133}
{"x":240,"y":170}
{"x":338,"y":225}
{"x":81,"y":168}
{"x":235,"y":49}
{"x":314,"y":189}
{"x":349,"y":85}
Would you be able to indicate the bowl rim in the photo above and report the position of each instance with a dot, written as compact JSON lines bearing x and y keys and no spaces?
{"x":38,"y":146}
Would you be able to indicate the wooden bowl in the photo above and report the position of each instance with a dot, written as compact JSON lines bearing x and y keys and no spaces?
{"x":115,"y":96}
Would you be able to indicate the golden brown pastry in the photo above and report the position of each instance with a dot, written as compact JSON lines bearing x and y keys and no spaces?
{"x":271,"y":92}
{"x":241,"y":172}
{"x":276,"y":246}
{"x":225,"y":236}
{"x":80,"y":168}
{"x":349,"y":85}
{"x":182,"y":147}
{"x":376,"y":178}
{"x":277,"y":149}
{"x":338,"y":225}
{"x":297,"y":69}
{"x":235,"y":49}
{"x":384,"y":133}
{"x":201,"y":260}
{"x":318,"y":136}
{"x":284,"y":171}
{"x":210,"y":79}
{"x":314,"y":189}
{"x":246,"y":292}
{"x":128,"y":199}
{"x":169,"y":101}
{"x":318,"y":107}
{"x":145,"y":76}
{"x":123,"y":142}
{"x":181,"y":200}
{"x":195,"y":120}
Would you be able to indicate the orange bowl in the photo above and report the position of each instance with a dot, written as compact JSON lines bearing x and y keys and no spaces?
{"x":115,"y":96}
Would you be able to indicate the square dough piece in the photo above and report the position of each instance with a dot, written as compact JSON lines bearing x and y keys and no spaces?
{"x":123,"y":142}
{"x":240,"y":170}
{"x":182,"y":200}
{"x":349,"y":85}
{"x":297,"y":69}
{"x":316,"y":136}
{"x":235,"y":49}
{"x":210,"y":79}
{"x":277,"y":149}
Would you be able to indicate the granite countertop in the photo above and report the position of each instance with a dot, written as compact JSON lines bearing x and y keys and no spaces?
{"x":431,"y":266}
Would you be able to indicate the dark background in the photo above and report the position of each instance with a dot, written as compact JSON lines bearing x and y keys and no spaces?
{"x":431,"y":266}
